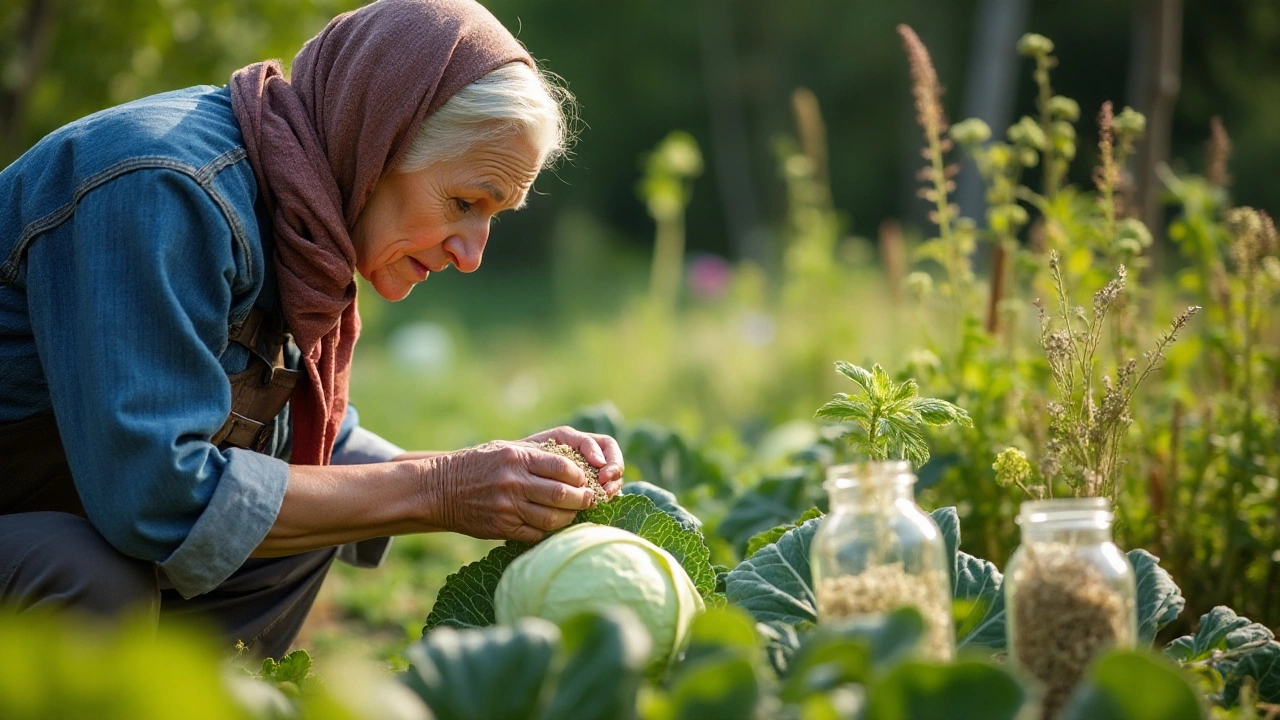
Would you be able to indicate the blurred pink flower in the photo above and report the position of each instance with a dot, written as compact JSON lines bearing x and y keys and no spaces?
{"x":709,"y":276}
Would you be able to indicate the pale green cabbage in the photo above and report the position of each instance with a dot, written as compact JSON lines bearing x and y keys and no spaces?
{"x":589,"y":567}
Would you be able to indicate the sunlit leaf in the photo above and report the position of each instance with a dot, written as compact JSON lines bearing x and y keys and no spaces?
{"x":857,"y":374}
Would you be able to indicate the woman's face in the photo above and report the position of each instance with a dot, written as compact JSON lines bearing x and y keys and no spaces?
{"x":421,"y":222}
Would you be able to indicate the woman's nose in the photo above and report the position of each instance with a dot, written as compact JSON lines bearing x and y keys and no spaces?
{"x":467,"y":246}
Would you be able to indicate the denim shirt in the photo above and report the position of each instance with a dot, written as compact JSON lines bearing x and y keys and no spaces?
{"x":131,"y":240}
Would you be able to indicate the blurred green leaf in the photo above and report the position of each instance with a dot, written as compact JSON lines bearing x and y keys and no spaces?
{"x":603,"y":419}
{"x":1220,"y":630}
{"x":717,"y":687}
{"x":776,"y":500}
{"x":977,"y":581}
{"x":662,"y":457}
{"x":67,"y":667}
{"x":968,"y":689}
{"x":1134,"y":686}
{"x":494,"y":673}
{"x":604,"y":662}
{"x":781,"y":640}
{"x":850,"y":652}
{"x":1262,"y":664}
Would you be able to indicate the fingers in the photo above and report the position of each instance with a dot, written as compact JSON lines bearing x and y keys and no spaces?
{"x":556,"y":494}
{"x":611,"y":488}
{"x":602,"y":451}
{"x":611,"y":473}
{"x":527,"y":534}
{"x":545,"y":518}
{"x":555,"y":467}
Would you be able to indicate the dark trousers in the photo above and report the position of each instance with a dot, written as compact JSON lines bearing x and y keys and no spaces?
{"x":58,"y":561}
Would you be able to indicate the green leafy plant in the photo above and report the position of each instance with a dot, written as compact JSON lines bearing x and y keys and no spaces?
{"x":467,"y":598}
{"x":290,"y":674}
{"x":890,"y":416}
{"x":1231,"y":654}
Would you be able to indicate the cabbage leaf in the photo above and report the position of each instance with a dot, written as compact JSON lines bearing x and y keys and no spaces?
{"x":466,"y":600}
{"x":1237,"y":649}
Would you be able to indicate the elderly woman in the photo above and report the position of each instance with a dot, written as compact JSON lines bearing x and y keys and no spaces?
{"x":177,"y":318}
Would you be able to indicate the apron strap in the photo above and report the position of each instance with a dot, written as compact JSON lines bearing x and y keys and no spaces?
{"x":36,"y":476}
{"x":261,"y":391}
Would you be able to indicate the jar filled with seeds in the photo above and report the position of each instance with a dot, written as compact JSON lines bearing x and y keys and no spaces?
{"x":1070,"y":594}
{"x":877,"y":551}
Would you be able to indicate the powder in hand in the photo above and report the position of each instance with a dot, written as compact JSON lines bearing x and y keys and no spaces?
{"x":593,"y":475}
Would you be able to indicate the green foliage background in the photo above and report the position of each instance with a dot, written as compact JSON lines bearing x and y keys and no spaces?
{"x":557,"y":320}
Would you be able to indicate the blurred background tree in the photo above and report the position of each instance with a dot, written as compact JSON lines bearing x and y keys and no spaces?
{"x":723,"y":70}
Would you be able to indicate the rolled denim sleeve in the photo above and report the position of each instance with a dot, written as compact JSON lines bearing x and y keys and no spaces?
{"x":129,"y":312}
{"x":358,"y":446}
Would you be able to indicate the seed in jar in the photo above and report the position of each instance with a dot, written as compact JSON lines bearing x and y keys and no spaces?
{"x":1066,"y":614}
{"x":884,"y":588}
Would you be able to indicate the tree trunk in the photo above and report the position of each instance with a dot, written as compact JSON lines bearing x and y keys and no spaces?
{"x":1155,"y":80}
{"x":990,"y":87}
{"x":28,"y":54}
{"x":730,"y":148}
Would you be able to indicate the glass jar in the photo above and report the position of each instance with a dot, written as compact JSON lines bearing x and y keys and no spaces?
{"x":1069,"y":592}
{"x":877,"y":551}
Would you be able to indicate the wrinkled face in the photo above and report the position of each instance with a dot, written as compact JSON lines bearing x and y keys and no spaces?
{"x":421,"y":222}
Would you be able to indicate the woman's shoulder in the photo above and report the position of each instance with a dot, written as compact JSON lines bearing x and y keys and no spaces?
{"x":191,"y":133}
{"x":187,"y":128}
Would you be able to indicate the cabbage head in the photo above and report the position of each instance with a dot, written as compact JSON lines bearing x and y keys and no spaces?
{"x":589,"y":567}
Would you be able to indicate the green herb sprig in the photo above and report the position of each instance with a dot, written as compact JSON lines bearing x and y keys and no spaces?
{"x":890,"y":417}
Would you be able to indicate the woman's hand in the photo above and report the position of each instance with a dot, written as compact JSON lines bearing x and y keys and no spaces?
{"x":509,"y":491}
{"x":600,"y":450}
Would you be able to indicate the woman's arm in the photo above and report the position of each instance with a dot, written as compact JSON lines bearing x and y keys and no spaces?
{"x":337,"y":504}
{"x":499,"y":490}
{"x":420,"y":455}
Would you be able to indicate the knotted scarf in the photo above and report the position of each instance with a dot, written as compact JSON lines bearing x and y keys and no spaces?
{"x":320,"y":143}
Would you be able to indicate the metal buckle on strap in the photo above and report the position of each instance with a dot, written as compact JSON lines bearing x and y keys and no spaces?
{"x":239,"y":431}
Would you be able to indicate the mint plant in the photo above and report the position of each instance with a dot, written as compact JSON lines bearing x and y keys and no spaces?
{"x":890,"y":417}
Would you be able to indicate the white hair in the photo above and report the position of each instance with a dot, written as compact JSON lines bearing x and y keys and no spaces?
{"x":513,"y":100}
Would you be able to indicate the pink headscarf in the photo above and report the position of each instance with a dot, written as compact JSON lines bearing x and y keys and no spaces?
{"x":320,"y":144}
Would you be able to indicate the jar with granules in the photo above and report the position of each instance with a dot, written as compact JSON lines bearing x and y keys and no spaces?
{"x":877,"y":551}
{"x":1070,"y":595}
